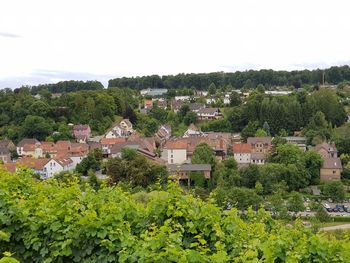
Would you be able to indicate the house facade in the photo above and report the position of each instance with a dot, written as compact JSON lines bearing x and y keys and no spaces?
{"x":242,"y":153}
{"x":260,"y":144}
{"x":81,"y":133}
{"x":332,"y":167}
{"x":209,"y":114}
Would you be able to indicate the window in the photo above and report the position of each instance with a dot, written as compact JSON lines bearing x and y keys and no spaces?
{"x":334,"y":171}
{"x":171,"y":161}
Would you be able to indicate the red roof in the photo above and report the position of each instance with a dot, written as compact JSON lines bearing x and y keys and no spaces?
{"x":111,"y":141}
{"x":241,"y":148}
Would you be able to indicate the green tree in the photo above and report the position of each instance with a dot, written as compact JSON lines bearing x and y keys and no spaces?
{"x":203,"y":154}
{"x":235,"y":99}
{"x":212,"y":89}
{"x":260,"y":133}
{"x":295,"y":202}
{"x":190,"y":117}
{"x":36,"y":127}
{"x":334,"y":190}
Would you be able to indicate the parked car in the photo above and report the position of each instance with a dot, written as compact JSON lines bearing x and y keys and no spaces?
{"x":329,"y":210}
{"x":308,"y":209}
{"x":325,"y":205}
{"x":335,"y":209}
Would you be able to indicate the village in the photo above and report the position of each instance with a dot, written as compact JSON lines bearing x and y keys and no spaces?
{"x":50,"y":158}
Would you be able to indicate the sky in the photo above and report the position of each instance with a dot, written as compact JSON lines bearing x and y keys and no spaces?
{"x":45,"y":41}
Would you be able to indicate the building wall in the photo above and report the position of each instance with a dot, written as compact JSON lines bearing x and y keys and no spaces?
{"x":5,"y":158}
{"x":175,"y":155}
{"x":242,"y":157}
{"x":330,"y":174}
{"x":258,"y":161}
{"x":52,"y":168}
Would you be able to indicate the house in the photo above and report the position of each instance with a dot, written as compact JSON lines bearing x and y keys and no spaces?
{"x":107,"y":144}
{"x":153,"y":92}
{"x":182,"y":171}
{"x":182,"y":98}
{"x":163,"y":134}
{"x":209,"y":114}
{"x":45,"y":168}
{"x":178,"y":151}
{"x":161,"y":103}
{"x":331,"y":169}
{"x":81,"y":133}
{"x":326,"y":150}
{"x":6,"y":147}
{"x":298,"y":141}
{"x":226,"y":100}
{"x":23,"y":142}
{"x":195,"y":107}
{"x":148,"y":104}
{"x":176,"y":105}
{"x":192,"y":131}
{"x":209,"y":101}
{"x":242,"y":152}
{"x":260,"y":144}
{"x":123,"y":129}
{"x":202,"y":93}
{"x":145,"y":146}
{"x":257,"y":158}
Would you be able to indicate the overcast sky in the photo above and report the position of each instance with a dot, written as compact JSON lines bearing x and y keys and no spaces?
{"x":45,"y":41}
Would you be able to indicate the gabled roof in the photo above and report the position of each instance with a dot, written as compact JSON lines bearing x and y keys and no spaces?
{"x":208,"y":111}
{"x":254,"y":140}
{"x":27,"y":141}
{"x":193,"y":127}
{"x":127,"y":122}
{"x":326,"y":146}
{"x":111,"y":141}
{"x":241,"y":148}
{"x":332,"y":163}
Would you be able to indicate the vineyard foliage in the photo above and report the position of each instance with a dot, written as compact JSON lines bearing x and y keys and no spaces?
{"x":64,"y":222}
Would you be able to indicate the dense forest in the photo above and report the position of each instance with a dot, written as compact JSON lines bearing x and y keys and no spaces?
{"x":67,"y":86}
{"x":51,"y":221}
{"x":248,"y":79}
{"x":23,"y":115}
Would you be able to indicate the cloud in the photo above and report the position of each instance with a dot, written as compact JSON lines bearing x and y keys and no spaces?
{"x":9,"y":35}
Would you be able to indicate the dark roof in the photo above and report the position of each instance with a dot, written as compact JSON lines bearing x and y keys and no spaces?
{"x":208,"y":111}
{"x":189,"y":167}
{"x":196,"y":106}
{"x":27,"y":141}
{"x":254,"y":140}
{"x":332,"y":163}
{"x":258,"y":156}
{"x":328,"y":147}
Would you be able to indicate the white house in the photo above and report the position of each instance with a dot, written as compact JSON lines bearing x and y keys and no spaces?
{"x":175,"y":152}
{"x":192,"y":131}
{"x":242,"y":153}
{"x":183,"y":98}
{"x":209,"y":114}
{"x":123,"y":129}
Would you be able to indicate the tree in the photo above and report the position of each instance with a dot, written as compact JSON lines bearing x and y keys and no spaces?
{"x":36,"y":127}
{"x":249,"y":130}
{"x":249,"y":175}
{"x":266,"y":128}
{"x":260,"y":133}
{"x":313,"y":163}
{"x":190,"y":117}
{"x":203,"y":154}
{"x":235,"y":99}
{"x":212,"y":89}
{"x":334,"y":190}
{"x":295,"y":202}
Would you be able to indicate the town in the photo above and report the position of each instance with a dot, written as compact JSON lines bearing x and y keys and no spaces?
{"x":173,"y":148}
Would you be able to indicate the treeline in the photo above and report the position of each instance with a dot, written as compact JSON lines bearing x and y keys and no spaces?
{"x":67,"y":86}
{"x":23,"y":115}
{"x":248,"y":79}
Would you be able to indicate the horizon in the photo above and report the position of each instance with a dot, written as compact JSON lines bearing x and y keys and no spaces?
{"x":105,"y":80}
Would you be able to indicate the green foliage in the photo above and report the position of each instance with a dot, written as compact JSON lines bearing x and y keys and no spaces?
{"x":91,"y":162}
{"x":203,"y":154}
{"x":334,"y":190}
{"x":53,"y":222}
{"x":135,"y":169}
{"x":260,"y":133}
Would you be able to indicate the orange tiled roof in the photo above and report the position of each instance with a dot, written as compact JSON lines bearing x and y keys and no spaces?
{"x":111,"y":141}
{"x":241,"y":148}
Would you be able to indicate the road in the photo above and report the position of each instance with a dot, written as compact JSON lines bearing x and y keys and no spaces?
{"x":331,"y":228}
